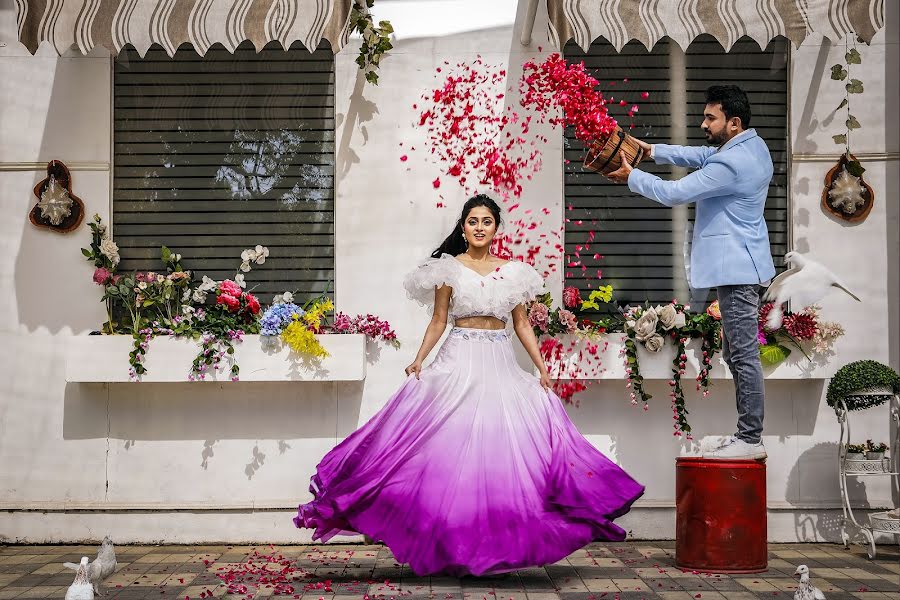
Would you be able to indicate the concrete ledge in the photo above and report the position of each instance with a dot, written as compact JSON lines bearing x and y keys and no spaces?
{"x":104,"y":359}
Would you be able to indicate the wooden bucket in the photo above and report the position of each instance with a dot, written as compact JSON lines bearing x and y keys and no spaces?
{"x":603,"y":155}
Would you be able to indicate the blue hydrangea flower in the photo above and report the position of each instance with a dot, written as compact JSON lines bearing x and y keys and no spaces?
{"x":278,"y":316}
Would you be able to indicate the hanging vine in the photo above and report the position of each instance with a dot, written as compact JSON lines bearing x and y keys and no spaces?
{"x":376,"y":41}
{"x":841,"y":72}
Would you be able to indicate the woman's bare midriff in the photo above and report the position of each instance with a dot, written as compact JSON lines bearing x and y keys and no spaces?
{"x":480,"y":323}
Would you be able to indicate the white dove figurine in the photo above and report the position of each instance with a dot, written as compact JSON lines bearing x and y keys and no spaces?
{"x":806,"y":590}
{"x":101,"y":567}
{"x":81,"y":588}
{"x":804,"y":284}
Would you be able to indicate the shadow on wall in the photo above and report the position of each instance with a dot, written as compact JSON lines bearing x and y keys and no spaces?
{"x":818,"y":467}
{"x":792,"y":408}
{"x":210,"y":411}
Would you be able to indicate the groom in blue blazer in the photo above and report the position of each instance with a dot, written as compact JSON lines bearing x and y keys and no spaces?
{"x":730,"y":244}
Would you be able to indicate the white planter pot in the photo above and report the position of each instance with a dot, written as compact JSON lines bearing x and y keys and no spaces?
{"x":104,"y":358}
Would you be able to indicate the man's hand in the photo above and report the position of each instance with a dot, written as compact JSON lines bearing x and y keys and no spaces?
{"x":621,"y":174}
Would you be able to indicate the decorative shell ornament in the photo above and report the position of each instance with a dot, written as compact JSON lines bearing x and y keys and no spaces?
{"x":846,"y":195}
{"x":57,"y":209}
{"x":55,"y":202}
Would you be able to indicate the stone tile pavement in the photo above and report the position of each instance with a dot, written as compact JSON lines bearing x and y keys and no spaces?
{"x":626,"y":571}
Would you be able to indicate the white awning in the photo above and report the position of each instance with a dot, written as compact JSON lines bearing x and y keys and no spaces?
{"x":647,"y":21}
{"x":170,"y":23}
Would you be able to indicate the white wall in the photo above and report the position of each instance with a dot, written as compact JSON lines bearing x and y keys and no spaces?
{"x":228,"y":462}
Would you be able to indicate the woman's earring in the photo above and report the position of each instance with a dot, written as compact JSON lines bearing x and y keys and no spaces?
{"x":465,"y":241}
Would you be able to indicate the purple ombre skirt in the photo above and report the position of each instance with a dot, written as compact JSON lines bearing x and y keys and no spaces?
{"x":472,"y":469}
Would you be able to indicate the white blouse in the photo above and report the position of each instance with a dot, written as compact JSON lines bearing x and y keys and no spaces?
{"x":493,"y":295}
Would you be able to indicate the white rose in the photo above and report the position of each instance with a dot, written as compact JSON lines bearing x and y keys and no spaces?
{"x":680,"y":320}
{"x":110,"y":250}
{"x":654,"y":343}
{"x":287,"y":297}
{"x":667,"y":315}
{"x":142,"y":285}
{"x":645,"y":326}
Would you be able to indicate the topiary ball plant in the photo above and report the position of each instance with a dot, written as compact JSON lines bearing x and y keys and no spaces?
{"x":852,"y":381}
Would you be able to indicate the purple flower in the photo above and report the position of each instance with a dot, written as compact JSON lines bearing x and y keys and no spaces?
{"x":761,"y":336}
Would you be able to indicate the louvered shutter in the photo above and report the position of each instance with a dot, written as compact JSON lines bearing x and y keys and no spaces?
{"x":640,"y":243}
{"x":219,"y":153}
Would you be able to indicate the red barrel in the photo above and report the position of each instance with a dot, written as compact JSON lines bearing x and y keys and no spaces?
{"x":720,"y":522}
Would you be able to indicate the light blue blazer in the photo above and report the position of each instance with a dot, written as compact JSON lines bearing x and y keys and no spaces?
{"x":730,"y":244}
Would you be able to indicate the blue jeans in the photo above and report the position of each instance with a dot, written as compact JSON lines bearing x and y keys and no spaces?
{"x":739,"y":305}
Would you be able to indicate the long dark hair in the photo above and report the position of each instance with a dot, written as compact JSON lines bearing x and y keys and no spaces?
{"x":455,"y":243}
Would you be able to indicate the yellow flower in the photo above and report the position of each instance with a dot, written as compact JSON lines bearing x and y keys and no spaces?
{"x":603,"y":293}
{"x":313,"y":316}
{"x":302,"y":340}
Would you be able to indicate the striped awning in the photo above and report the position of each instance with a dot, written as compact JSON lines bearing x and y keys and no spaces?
{"x":647,"y":21}
{"x":114,"y":24}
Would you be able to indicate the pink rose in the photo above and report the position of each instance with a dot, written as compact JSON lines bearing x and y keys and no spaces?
{"x":101,"y":276}
{"x":252,"y":303}
{"x":230,"y":302}
{"x":571,"y":297}
{"x":568,"y":320}
{"x":714,"y":311}
{"x":539,"y":316}
{"x":230,"y":288}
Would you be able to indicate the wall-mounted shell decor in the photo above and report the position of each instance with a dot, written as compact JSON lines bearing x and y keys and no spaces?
{"x":57,"y":209}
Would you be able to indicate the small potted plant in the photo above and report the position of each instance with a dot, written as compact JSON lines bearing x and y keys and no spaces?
{"x":856,"y":451}
{"x":875,"y":451}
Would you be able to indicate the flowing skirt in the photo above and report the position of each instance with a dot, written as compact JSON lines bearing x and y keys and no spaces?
{"x":472,"y":469}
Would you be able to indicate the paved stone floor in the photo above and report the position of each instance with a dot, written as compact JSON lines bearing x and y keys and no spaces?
{"x":356,"y":572}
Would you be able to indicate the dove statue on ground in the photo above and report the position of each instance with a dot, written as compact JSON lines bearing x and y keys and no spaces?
{"x":804,"y":284}
{"x":806,"y":590}
{"x":101,"y":567}
{"x":81,"y":588}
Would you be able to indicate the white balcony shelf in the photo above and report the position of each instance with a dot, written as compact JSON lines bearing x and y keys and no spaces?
{"x":609,"y":363}
{"x":104,"y":359}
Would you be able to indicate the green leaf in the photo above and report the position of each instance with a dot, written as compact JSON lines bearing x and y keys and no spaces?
{"x":87,"y":253}
{"x":372,"y":78}
{"x":842,"y":104}
{"x":855,"y":168}
{"x":854,"y":87}
{"x":852,"y":123}
{"x":853,"y":57}
{"x":840,"y":139}
{"x":838,"y":73}
{"x":165,"y":254}
{"x":772,"y":354}
{"x":386,"y":26}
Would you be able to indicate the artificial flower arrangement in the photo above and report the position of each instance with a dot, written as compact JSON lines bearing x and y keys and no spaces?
{"x":147,"y":304}
{"x":804,"y":330}
{"x":646,"y":325}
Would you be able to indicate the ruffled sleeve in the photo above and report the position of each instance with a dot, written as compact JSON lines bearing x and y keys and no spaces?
{"x":435,"y":272}
{"x":528,"y":284}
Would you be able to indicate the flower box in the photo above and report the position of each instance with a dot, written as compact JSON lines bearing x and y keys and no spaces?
{"x":658,"y":366}
{"x":104,"y":358}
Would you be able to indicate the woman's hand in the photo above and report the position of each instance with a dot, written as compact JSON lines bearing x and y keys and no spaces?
{"x":546,"y":383}
{"x":416,"y":368}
